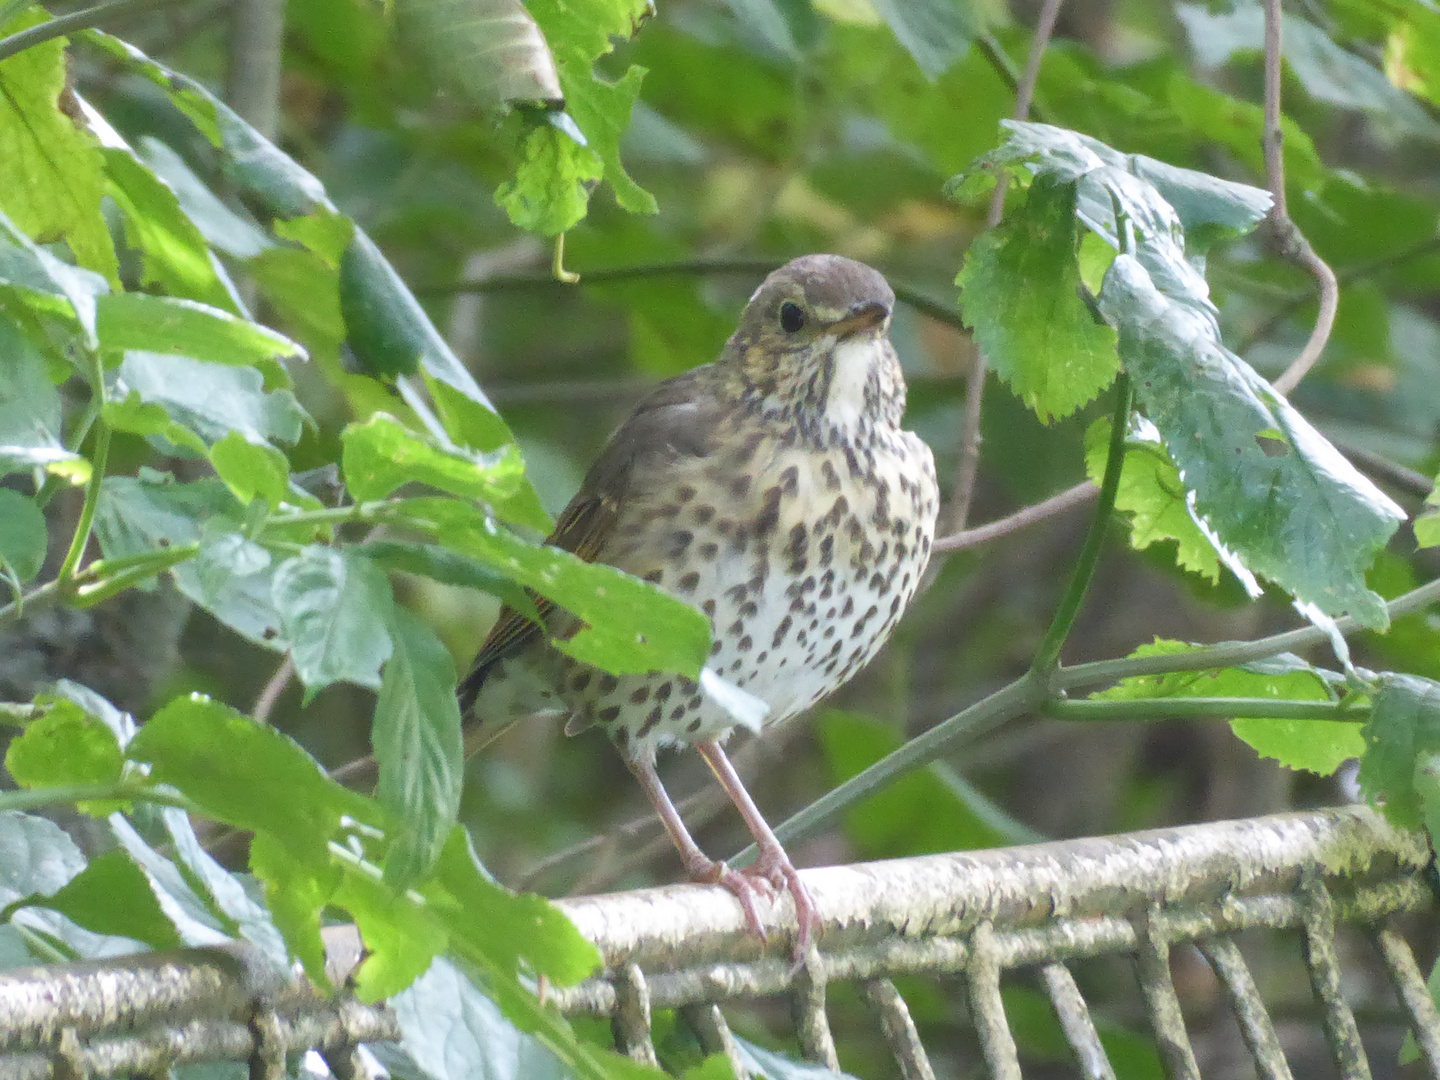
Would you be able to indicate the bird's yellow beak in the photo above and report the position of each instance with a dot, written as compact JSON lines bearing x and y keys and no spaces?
{"x":861,"y":316}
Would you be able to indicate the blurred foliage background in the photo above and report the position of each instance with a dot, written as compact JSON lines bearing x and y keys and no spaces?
{"x":765,"y":129}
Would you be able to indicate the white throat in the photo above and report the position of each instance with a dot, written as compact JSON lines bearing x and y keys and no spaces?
{"x":855,"y":358}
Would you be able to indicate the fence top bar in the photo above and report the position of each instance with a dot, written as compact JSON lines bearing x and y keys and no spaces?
{"x":933,"y":895}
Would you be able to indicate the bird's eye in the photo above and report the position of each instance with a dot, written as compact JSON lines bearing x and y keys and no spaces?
{"x":792,"y":318}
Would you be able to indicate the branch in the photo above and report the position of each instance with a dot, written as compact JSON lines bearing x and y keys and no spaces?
{"x":1289,"y":240}
{"x":100,"y":15}
{"x":1078,"y":495}
{"x":252,"y":84}
{"x":963,"y":493}
{"x":1205,"y":708}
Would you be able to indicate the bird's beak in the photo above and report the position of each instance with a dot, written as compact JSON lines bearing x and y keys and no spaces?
{"x":861,"y":316}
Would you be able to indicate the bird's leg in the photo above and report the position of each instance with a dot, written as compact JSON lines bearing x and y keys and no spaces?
{"x":773,"y":863}
{"x":697,"y":864}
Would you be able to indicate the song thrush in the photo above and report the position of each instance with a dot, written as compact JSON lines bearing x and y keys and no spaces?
{"x":775,"y":491}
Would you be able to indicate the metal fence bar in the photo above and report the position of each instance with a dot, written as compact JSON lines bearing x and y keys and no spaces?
{"x":987,"y":1012}
{"x":1414,"y":995}
{"x":899,"y":1028}
{"x":812,"y":1025}
{"x":1340,"y":1029}
{"x":1074,"y":1017}
{"x":1152,"y":966}
{"x":1245,"y":1002}
{"x":630,"y":1021}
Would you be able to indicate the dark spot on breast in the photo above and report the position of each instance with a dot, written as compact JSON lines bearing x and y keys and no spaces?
{"x":703,"y":514}
{"x":716,"y":646}
{"x":663,"y":692}
{"x":607,"y":684}
{"x":580,"y":681}
{"x":827,"y":550}
{"x":708,"y":607}
{"x":677,"y":713}
{"x":709,"y":550}
{"x":640,"y":696}
{"x":790,"y":480}
{"x":831,"y":477}
{"x":608,"y":714}
{"x":694,"y":725}
{"x":736,"y":629}
{"x":655,"y":577}
{"x":684,"y":493}
{"x":679,"y":541}
{"x":749,"y":609}
{"x":769,"y":515}
{"x":745,"y":643}
{"x":688,"y":582}
{"x":849,"y":608}
{"x":740,"y":485}
{"x":781,"y":630}
{"x":651,"y":719}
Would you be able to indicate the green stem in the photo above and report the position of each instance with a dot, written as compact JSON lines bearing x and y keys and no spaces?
{"x":1204,"y":708}
{"x":99,"y":15}
{"x":95,"y":582}
{"x":1047,"y":655}
{"x":338,"y":515}
{"x":87,"y":511}
{"x":112,"y":791}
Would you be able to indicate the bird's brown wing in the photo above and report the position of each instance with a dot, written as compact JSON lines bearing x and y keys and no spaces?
{"x":679,"y":419}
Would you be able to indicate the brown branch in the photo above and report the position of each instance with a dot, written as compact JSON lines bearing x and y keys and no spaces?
{"x":1078,"y":495}
{"x":265,"y":703}
{"x":963,"y":492}
{"x":1289,"y":240}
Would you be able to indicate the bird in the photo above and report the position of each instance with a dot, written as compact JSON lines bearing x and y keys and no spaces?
{"x":776,"y":491}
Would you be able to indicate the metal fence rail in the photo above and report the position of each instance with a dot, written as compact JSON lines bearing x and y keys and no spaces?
{"x":977,"y":916}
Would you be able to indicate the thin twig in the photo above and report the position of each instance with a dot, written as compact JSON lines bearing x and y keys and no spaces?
{"x":100,"y":15}
{"x":963,"y":492}
{"x":265,"y":703}
{"x":1068,"y":499}
{"x":1290,"y":241}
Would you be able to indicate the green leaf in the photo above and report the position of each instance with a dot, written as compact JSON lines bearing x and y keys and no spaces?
{"x":30,"y":411}
{"x":551,"y":188}
{"x":633,"y":626}
{"x":219,"y":225}
{"x":1268,"y":484}
{"x":251,"y":469}
{"x":489,"y":52}
{"x":189,"y":97}
{"x":65,"y":746}
{"x":246,"y":775}
{"x":164,"y":324}
{"x":917,"y":815}
{"x":486,"y":919}
{"x":210,"y":400}
{"x":382,"y":455}
{"x":174,"y":255}
{"x":451,"y":1030}
{"x":476,"y":426}
{"x":602,"y":110}
{"x":450,"y":568}
{"x":297,"y":890}
{"x":1401,"y":739}
{"x":934,"y":32}
{"x":1153,"y":495}
{"x":151,"y":512}
{"x":335,"y":606}
{"x":1020,"y":289}
{"x":418,"y":749}
{"x":113,"y":896}
{"x":1427,"y":522}
{"x":185,"y":909}
{"x":325,"y":232}
{"x":401,"y":937}
{"x":1319,"y":746}
{"x":35,"y":856}
{"x":51,"y":170}
{"x":22,"y":535}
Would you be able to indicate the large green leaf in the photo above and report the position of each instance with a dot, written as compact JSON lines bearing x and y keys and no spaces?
{"x":65,"y":746}
{"x":632,"y":625}
{"x":209,"y":400}
{"x":1318,"y":746}
{"x":22,"y":536}
{"x":174,"y":255}
{"x":551,"y":188}
{"x":1154,"y":497}
{"x":1402,"y":750}
{"x":382,"y":455}
{"x":113,"y":896}
{"x":1020,"y":289}
{"x":51,"y":171}
{"x":162,"y":324}
{"x":934,"y":32}
{"x":1264,"y":480}
{"x":491,"y":52}
{"x":335,"y":606}
{"x":418,"y":749}
{"x":30,"y":411}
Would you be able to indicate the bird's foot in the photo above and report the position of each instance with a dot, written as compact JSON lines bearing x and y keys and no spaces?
{"x":744,"y":888}
{"x":778,"y":873}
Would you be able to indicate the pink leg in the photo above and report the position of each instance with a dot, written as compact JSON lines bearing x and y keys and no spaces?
{"x":773,"y":863}
{"x":699,"y":866}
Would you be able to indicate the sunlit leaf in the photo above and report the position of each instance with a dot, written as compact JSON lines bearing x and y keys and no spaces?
{"x":552,"y":185}
{"x":382,"y":455}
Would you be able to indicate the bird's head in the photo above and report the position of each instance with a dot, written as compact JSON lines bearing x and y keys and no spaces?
{"x":813,"y":341}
